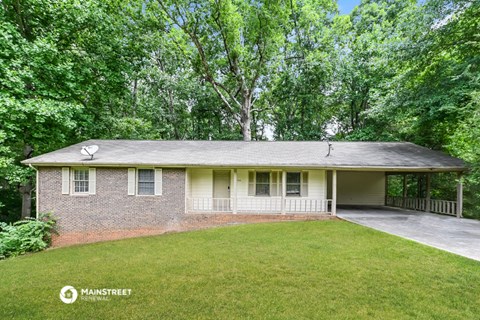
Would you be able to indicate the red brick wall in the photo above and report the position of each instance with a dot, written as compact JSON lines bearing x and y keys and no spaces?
{"x":111,"y":208}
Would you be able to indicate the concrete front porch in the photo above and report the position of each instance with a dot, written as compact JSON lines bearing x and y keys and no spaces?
{"x":459,"y":236}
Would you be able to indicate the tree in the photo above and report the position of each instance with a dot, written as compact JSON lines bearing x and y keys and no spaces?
{"x":234,"y":46}
{"x":298,"y":97}
{"x":62,"y":65}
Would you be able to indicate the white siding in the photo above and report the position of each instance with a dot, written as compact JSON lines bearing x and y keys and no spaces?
{"x":202,"y":183}
{"x":360,"y":188}
{"x":200,"y":187}
{"x":242,"y":183}
{"x":316,"y":190}
{"x":316,"y":184}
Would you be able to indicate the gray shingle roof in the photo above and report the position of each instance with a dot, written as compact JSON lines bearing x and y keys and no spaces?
{"x":375,"y":155}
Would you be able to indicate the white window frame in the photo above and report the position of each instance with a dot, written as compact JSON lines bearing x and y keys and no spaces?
{"x":275,"y":189}
{"x":137,"y":181}
{"x":269,"y":183}
{"x":72,"y":181}
{"x":301,"y":184}
{"x":156,"y":183}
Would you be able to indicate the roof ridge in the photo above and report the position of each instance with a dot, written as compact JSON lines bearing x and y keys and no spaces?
{"x":253,"y":141}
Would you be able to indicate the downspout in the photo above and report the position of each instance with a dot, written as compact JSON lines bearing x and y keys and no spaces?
{"x":36,"y":189}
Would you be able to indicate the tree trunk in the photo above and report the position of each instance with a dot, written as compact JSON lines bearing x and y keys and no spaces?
{"x":26,"y":188}
{"x":172,"y":117}
{"x":134,"y":97}
{"x":246,"y":119}
{"x":26,"y":191}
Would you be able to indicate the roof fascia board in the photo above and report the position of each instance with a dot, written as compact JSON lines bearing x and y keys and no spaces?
{"x":289,"y":167}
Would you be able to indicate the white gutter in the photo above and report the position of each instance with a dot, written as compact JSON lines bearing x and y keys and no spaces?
{"x":252,"y":166}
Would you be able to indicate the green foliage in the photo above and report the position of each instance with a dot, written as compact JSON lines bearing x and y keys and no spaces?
{"x":391,"y":70}
{"x":62,"y":67}
{"x":11,"y":203}
{"x":30,"y":235}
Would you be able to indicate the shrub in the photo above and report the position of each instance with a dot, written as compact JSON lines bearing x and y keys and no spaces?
{"x":29,"y":235}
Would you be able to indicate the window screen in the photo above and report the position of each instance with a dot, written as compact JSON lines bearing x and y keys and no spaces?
{"x":146,"y":181}
{"x":262,"y":186}
{"x":293,"y":184}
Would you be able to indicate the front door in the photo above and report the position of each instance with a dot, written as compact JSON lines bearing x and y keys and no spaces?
{"x":221,"y":190}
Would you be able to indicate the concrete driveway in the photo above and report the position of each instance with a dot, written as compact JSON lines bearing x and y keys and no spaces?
{"x":459,"y":236}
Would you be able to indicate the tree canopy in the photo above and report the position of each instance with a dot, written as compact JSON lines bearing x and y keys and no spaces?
{"x":390,"y":70}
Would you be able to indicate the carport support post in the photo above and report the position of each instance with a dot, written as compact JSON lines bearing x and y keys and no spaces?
{"x":334,"y":192}
{"x":404,"y":202}
{"x":427,"y":192}
{"x":386,"y":189}
{"x":459,"y":195}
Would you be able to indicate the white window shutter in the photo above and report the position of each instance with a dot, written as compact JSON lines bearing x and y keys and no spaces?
{"x":274,"y":184}
{"x":92,"y":181}
{"x":131,"y":181}
{"x":251,"y":183}
{"x":304,"y":187}
{"x":158,"y":182}
{"x":65,"y":180}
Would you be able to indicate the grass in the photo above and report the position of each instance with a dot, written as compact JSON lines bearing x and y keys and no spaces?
{"x":298,"y":270}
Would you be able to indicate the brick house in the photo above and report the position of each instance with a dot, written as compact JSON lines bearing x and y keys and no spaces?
{"x":133,"y":188}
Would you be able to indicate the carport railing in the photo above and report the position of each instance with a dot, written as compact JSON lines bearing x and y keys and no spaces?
{"x":420,"y":204}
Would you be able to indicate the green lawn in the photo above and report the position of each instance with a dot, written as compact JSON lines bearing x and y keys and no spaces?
{"x":287,"y":270}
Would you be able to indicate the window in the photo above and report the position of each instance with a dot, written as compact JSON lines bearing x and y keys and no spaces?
{"x":293,"y":184}
{"x":269,"y":183}
{"x":262,"y":185}
{"x":80,"y":181}
{"x":146,"y":181}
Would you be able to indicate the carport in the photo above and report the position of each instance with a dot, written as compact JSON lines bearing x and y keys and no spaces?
{"x":368,"y":182}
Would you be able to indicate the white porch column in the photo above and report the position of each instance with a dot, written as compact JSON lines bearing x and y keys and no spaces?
{"x":234,"y":191}
{"x":334,"y":192}
{"x":187,"y":189}
{"x":284,"y":190}
{"x":428,"y":192}
{"x":459,"y":195}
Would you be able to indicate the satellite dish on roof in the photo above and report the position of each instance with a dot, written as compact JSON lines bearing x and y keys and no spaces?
{"x":89,"y":150}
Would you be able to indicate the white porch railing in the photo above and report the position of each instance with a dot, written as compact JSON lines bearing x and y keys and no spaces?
{"x":307,"y":205}
{"x":259,"y":205}
{"x":443,"y":206}
{"x":209,"y":204}
{"x":420,"y":204}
